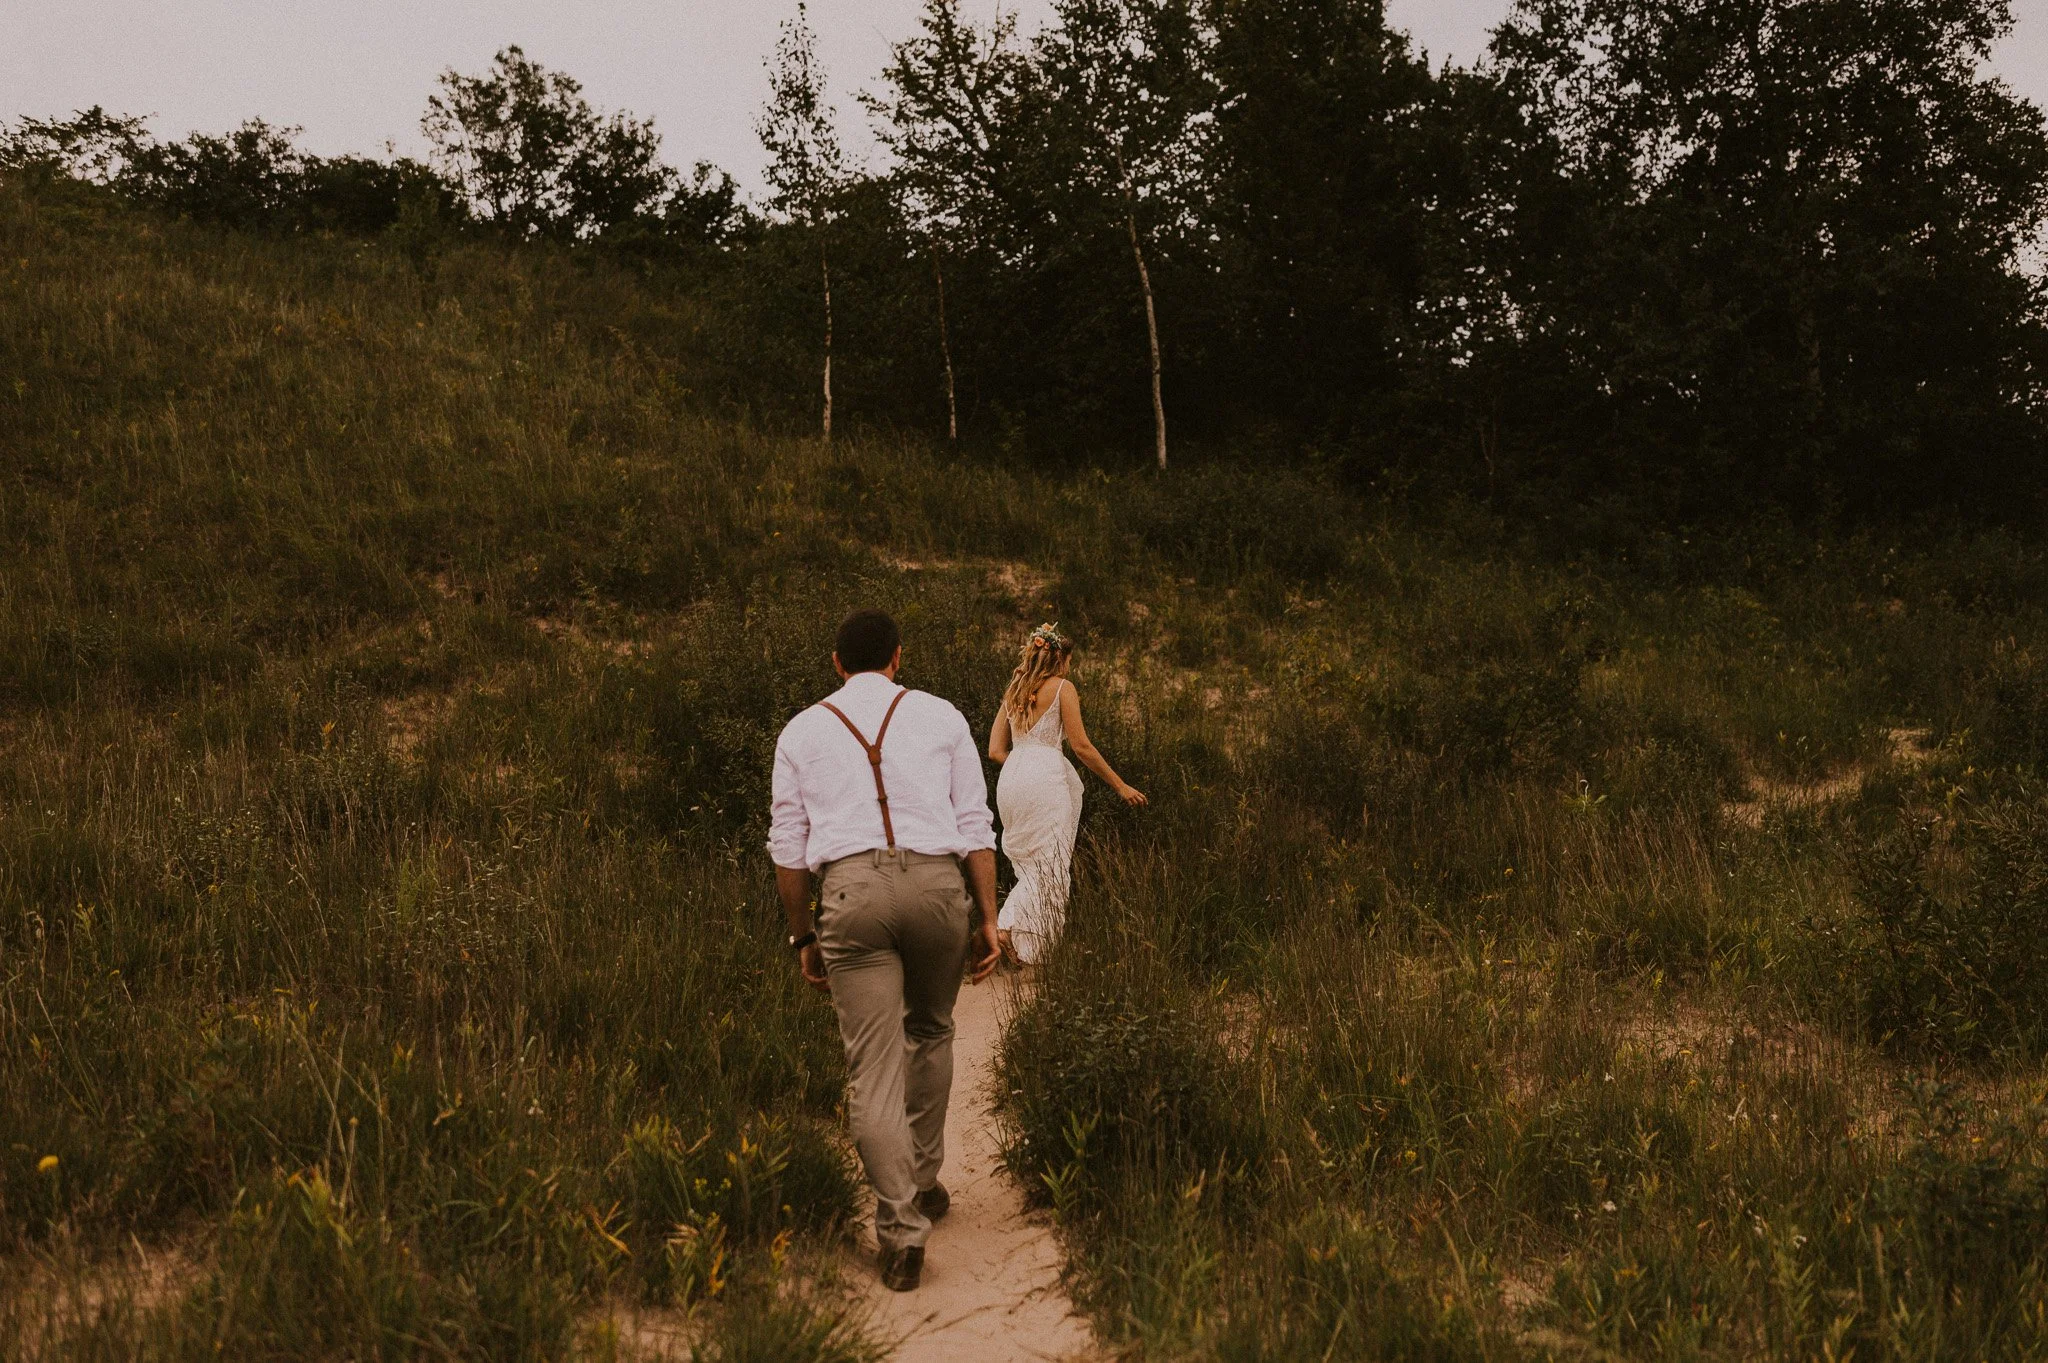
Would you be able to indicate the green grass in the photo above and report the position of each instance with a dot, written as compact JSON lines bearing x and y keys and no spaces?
{"x":1521,"y":956}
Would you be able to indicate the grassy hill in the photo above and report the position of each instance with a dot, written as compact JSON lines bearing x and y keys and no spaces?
{"x":1523,"y":955}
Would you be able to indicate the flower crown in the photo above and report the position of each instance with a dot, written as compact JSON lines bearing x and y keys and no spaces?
{"x":1049,"y":636}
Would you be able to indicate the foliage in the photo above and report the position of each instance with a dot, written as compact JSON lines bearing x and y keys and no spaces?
{"x":805,"y":165}
{"x":1336,"y":170}
{"x":2009,"y":719}
{"x":1951,"y":900}
{"x":1969,"y":1202}
{"x":1775,"y":244}
{"x":530,"y":157}
{"x":1115,"y":1084}
{"x":953,"y":122}
{"x":254,"y":177}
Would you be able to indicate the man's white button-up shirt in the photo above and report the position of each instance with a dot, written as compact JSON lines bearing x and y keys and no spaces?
{"x":824,"y":790}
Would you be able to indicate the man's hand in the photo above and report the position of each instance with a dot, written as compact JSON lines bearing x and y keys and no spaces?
{"x":981,"y":883}
{"x":793,"y":885}
{"x":812,"y":962}
{"x":991,"y":953}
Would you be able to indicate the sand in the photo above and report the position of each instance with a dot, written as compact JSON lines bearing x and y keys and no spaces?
{"x":991,"y":1289}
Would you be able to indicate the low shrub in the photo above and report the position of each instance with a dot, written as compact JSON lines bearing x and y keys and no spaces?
{"x":1583,"y":1144}
{"x":1674,"y":764}
{"x":1221,"y":523}
{"x":2009,"y":720}
{"x":1946,"y":951}
{"x":1100,"y":1087}
{"x":1967,"y":1205}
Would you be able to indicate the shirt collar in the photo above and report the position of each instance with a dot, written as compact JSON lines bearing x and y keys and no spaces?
{"x":868,"y":681}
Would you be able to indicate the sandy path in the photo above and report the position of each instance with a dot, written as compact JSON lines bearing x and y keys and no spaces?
{"x":991,"y":1290}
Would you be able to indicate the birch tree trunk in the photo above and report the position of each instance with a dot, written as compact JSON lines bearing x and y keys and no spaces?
{"x":946,"y":349}
{"x":825,"y":264}
{"x":1151,"y":331}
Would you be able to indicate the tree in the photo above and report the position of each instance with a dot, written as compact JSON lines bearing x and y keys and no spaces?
{"x":955,"y":93}
{"x":805,"y":168}
{"x":254,"y":177}
{"x":532,"y":157}
{"x":251,"y":177}
{"x":1330,"y":173}
{"x":1773,"y":247}
{"x":1130,"y":105}
{"x":705,"y":209}
{"x":960,"y":121}
{"x":91,"y":145}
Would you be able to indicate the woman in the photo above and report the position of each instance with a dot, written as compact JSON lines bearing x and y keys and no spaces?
{"x":1039,"y":792}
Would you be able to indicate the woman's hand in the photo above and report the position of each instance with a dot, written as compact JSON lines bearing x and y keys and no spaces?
{"x":1132,"y":796}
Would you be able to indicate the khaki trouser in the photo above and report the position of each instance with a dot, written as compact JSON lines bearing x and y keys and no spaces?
{"x":893,"y":927}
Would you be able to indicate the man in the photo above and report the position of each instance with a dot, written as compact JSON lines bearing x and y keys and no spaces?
{"x":878,"y":791}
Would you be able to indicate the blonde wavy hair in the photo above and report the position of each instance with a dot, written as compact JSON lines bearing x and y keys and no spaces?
{"x":1044,"y":653}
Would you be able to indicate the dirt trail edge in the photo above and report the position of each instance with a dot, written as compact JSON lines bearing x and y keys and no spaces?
{"x":991,"y":1288}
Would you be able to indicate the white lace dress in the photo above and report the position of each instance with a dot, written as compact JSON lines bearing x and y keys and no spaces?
{"x":1038,"y":795}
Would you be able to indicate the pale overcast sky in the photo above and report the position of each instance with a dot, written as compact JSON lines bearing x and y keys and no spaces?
{"x":355,"y":74}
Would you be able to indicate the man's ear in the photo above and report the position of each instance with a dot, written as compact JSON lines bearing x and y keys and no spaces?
{"x":838,"y":667}
{"x":896,"y":662}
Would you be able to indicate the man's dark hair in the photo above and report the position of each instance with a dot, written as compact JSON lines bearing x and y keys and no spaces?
{"x":866,"y":641}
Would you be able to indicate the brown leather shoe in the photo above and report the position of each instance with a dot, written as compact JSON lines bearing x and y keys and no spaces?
{"x":934,"y":1202}
{"x":901,"y":1268}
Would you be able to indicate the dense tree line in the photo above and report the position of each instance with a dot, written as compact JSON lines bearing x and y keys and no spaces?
{"x":1674,"y":257}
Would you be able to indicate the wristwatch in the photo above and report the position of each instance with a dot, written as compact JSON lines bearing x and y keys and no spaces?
{"x":799,"y":943}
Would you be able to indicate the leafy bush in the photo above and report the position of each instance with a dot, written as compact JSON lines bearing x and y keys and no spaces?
{"x":1948,"y":952}
{"x":1583,"y":1144}
{"x":1102,"y":1087}
{"x":1221,"y":522}
{"x":1330,"y":764}
{"x":2010,"y":721}
{"x":1677,"y":764}
{"x":1501,"y":696}
{"x":1968,"y":1202}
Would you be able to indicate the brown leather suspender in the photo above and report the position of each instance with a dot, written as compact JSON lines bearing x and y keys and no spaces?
{"x":875,"y":757}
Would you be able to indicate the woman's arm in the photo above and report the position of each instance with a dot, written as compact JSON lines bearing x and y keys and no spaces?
{"x":999,"y":736}
{"x":1077,"y":738}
